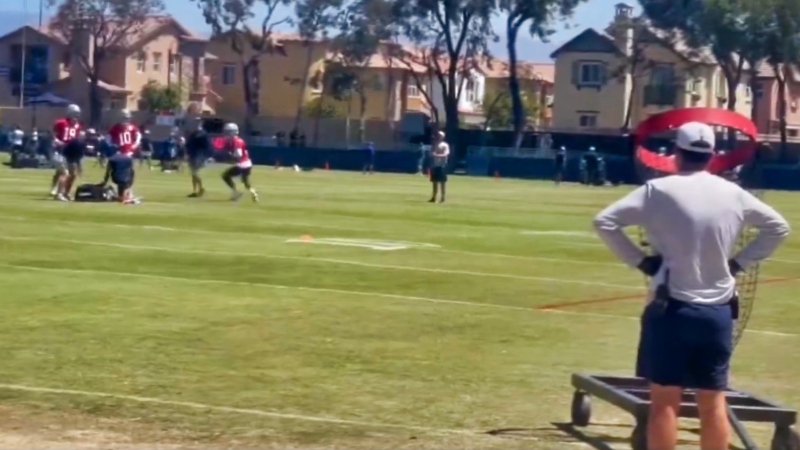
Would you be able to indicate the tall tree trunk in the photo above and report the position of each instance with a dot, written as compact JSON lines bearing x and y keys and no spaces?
{"x":517,"y":109}
{"x":303,"y":86}
{"x":626,"y":123}
{"x":781,"y":79}
{"x":754,"y":99}
{"x":347,"y":121}
{"x":95,"y":102}
{"x":250,"y":101}
{"x":362,"y":117}
{"x":451,"y":107}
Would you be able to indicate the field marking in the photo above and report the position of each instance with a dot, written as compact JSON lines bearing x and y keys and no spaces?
{"x":345,"y":292}
{"x":328,"y":260}
{"x":229,"y":409}
{"x":333,"y":227}
{"x":281,"y":237}
{"x":374,"y":244}
{"x":580,"y":234}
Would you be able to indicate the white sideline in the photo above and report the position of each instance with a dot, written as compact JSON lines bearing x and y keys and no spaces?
{"x":328,"y":260}
{"x":228,"y":409}
{"x":346,"y":292}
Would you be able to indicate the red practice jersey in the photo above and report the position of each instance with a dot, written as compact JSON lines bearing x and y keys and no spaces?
{"x":126,"y":137}
{"x":65,"y":130}
{"x":238,"y":148}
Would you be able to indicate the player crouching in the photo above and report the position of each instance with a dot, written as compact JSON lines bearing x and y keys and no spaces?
{"x":119,"y":171}
{"x":238,"y":149}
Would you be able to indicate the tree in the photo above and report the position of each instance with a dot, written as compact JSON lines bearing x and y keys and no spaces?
{"x":716,"y":26}
{"x":780,"y":38}
{"x":539,"y":15}
{"x":109,"y":25}
{"x":318,"y":108}
{"x":228,"y":19}
{"x":499,"y":108}
{"x":156,"y":97}
{"x":454,"y":34}
{"x":315,"y":18}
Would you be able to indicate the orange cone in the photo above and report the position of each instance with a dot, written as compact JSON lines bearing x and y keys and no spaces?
{"x":306,"y":238}
{"x":327,"y":166}
{"x":277,"y":164}
{"x":496,"y":175}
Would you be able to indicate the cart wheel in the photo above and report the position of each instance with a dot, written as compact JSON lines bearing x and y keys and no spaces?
{"x":639,"y":438}
{"x":581,"y":409}
{"x":785,"y":438}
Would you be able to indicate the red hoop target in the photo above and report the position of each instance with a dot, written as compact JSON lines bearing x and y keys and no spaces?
{"x":670,"y":120}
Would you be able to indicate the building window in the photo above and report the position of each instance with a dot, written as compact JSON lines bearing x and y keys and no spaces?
{"x":722,"y":87}
{"x":156,"y":62}
{"x":588,"y":120}
{"x":413,"y":89}
{"x":662,"y":75}
{"x":114,"y":104}
{"x":228,"y":74}
{"x":141,"y":61}
{"x":591,"y":74}
{"x":172,"y":64}
{"x":470,"y":91}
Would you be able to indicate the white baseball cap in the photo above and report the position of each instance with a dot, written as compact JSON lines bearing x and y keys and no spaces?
{"x":696,"y":137}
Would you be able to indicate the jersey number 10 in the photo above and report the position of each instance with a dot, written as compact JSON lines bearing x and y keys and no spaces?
{"x":125,"y":138}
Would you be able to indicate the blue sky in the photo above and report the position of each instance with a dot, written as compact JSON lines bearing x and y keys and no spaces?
{"x":595,"y":13}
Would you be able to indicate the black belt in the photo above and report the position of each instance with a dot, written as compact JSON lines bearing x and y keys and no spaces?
{"x":663,"y":297}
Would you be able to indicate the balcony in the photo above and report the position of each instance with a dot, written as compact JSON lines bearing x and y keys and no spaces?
{"x":660,"y":95}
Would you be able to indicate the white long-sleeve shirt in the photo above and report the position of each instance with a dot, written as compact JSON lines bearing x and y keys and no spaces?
{"x":693,"y":221}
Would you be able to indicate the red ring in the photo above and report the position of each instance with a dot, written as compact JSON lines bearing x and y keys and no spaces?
{"x":715,"y":117}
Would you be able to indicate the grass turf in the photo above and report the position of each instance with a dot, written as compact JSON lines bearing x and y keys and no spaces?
{"x":204,"y":301}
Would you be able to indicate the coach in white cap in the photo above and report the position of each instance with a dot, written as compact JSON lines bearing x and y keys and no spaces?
{"x":692,"y":220}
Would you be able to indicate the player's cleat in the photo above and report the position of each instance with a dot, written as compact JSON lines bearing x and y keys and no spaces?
{"x":54,"y":192}
{"x":433,"y":200}
{"x":255,"y":197}
{"x":201,"y":193}
{"x":62,"y":198}
{"x":236,"y":196}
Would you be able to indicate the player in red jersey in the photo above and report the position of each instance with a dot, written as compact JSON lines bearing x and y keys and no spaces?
{"x":125,"y":135}
{"x":67,"y":152}
{"x":238,"y":149}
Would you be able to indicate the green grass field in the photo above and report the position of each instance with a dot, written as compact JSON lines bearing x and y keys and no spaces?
{"x":195,"y":323}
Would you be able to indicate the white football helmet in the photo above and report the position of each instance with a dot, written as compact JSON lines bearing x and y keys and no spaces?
{"x":73,"y":110}
{"x":231,"y":129}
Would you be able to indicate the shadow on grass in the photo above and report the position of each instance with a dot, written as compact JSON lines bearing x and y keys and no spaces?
{"x":562,"y":433}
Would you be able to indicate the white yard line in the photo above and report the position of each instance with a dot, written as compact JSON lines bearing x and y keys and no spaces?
{"x":228,"y":409}
{"x":284,"y":237}
{"x":328,"y":260}
{"x":346,"y":292}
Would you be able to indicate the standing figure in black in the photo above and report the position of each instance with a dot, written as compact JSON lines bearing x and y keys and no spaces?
{"x":198,"y":150}
{"x":560,"y":165}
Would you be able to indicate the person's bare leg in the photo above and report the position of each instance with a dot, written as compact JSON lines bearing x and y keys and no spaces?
{"x":443,"y":192}
{"x":715,"y":433}
{"x":662,"y":424}
{"x":435,"y":191}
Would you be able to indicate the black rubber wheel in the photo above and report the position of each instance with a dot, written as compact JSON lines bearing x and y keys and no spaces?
{"x":639,"y":438}
{"x":785,"y":438}
{"x":581,"y":409}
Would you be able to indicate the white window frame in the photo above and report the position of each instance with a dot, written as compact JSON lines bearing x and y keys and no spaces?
{"x":587,"y":120}
{"x":414,"y":89}
{"x":173,"y":64}
{"x":157,"y":61}
{"x":597,"y":79}
{"x":470,"y":89}
{"x":228,"y":74}
{"x":141,"y":62}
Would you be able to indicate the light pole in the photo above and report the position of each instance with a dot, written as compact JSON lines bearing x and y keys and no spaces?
{"x":24,"y":56}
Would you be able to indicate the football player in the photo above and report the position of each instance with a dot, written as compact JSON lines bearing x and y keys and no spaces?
{"x":125,"y":135}
{"x":238,"y":149}
{"x":67,"y":152}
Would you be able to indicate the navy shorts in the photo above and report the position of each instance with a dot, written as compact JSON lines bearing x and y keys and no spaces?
{"x":686,"y":344}
{"x":438,"y":175}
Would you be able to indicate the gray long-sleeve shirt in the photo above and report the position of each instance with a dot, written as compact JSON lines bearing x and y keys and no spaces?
{"x":693,"y":220}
